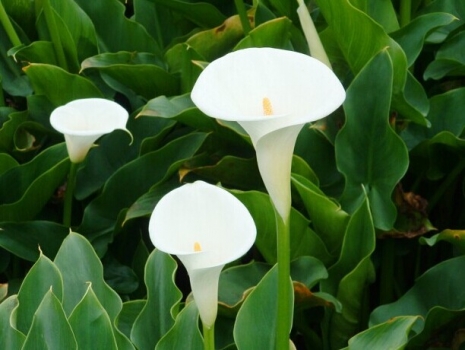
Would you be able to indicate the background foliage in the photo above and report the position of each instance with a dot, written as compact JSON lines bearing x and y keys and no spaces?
{"x":378,"y":218}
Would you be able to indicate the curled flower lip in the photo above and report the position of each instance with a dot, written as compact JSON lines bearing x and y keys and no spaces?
{"x":83,"y":121}
{"x":206,"y":227}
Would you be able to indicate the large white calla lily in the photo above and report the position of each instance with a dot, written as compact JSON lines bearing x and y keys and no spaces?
{"x":206,"y":227}
{"x":83,"y":121}
{"x":271,"y":93}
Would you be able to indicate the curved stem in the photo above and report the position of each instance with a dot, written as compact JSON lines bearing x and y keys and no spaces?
{"x":284,"y":315}
{"x":209,"y":337}
{"x":10,"y":31}
{"x":69,"y":194}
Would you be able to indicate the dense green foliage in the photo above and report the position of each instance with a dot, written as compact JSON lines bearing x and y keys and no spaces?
{"x":378,"y":217}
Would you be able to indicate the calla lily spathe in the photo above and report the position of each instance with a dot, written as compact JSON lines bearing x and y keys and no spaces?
{"x":83,"y":121}
{"x":271,"y":93}
{"x":206,"y":227}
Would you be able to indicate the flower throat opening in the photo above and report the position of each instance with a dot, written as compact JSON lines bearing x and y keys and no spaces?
{"x":197,"y":247}
{"x":267,"y":108}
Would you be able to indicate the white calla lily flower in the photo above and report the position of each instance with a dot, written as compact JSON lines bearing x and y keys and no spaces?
{"x":271,"y":93}
{"x":83,"y":121}
{"x":206,"y":227}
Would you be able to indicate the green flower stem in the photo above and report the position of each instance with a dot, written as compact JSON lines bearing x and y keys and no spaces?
{"x":284,"y":273}
{"x":54,"y":35}
{"x":405,"y":12}
{"x":243,"y":16}
{"x":209,"y":337}
{"x":69,"y":194}
{"x":10,"y":31}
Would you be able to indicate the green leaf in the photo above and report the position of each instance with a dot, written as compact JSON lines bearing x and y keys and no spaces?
{"x":10,"y":337}
{"x":216,"y":42}
{"x":185,"y":334}
{"x":8,"y":129}
{"x":139,"y":175}
{"x":131,"y":69}
{"x":304,"y":241}
{"x":119,"y":34}
{"x":90,"y":323}
{"x":7,"y":162}
{"x":80,"y":27}
{"x":39,"y":180}
{"x":360,"y":38}
{"x":79,"y":264}
{"x":377,"y":161}
{"x":50,"y":328}
{"x":440,"y":286}
{"x":256,"y":321}
{"x":450,"y":59}
{"x":412,"y":37}
{"x":36,"y":52}
{"x":163,"y":297}
{"x":24,"y":239}
{"x":454,"y":237}
{"x":328,"y":219}
{"x":127,"y":317}
{"x":393,"y":334}
{"x":43,"y":277}
{"x":349,"y":277}
{"x":274,"y":33}
{"x":59,"y":86}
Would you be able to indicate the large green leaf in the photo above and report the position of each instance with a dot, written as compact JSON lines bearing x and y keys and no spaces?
{"x":450,"y":59}
{"x":372,"y":157}
{"x":437,"y":297}
{"x":9,"y":127}
{"x":42,"y":277}
{"x":24,"y":239}
{"x":59,"y":86}
{"x":349,"y":277}
{"x":393,"y":334}
{"x":360,"y":38}
{"x":50,"y":328}
{"x":163,"y":297}
{"x":119,"y":33}
{"x":256,"y":320}
{"x":131,"y":70}
{"x":304,"y":241}
{"x":135,"y":178}
{"x":79,"y":265}
{"x":412,"y":37}
{"x":185,"y":334}
{"x":10,"y":337}
{"x":39,"y":180}
{"x":90,"y":323}
{"x":7,"y":162}
{"x":328,"y":219}
{"x":273,"y":33}
{"x":440,"y":286}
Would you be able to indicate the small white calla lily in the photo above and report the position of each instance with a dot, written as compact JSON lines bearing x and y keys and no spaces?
{"x":271,"y":93}
{"x":206,"y":227}
{"x":83,"y":121}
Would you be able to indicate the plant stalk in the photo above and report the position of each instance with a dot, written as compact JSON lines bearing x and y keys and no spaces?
{"x":405,"y":14}
{"x":243,"y":16}
{"x":387,"y":271}
{"x":284,"y":271}
{"x":54,"y":35}
{"x":10,"y":31}
{"x":69,"y":194}
{"x":208,"y":337}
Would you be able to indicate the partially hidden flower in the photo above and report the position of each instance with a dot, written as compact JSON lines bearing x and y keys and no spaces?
{"x":271,"y":93}
{"x":83,"y":121}
{"x":206,"y":227}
